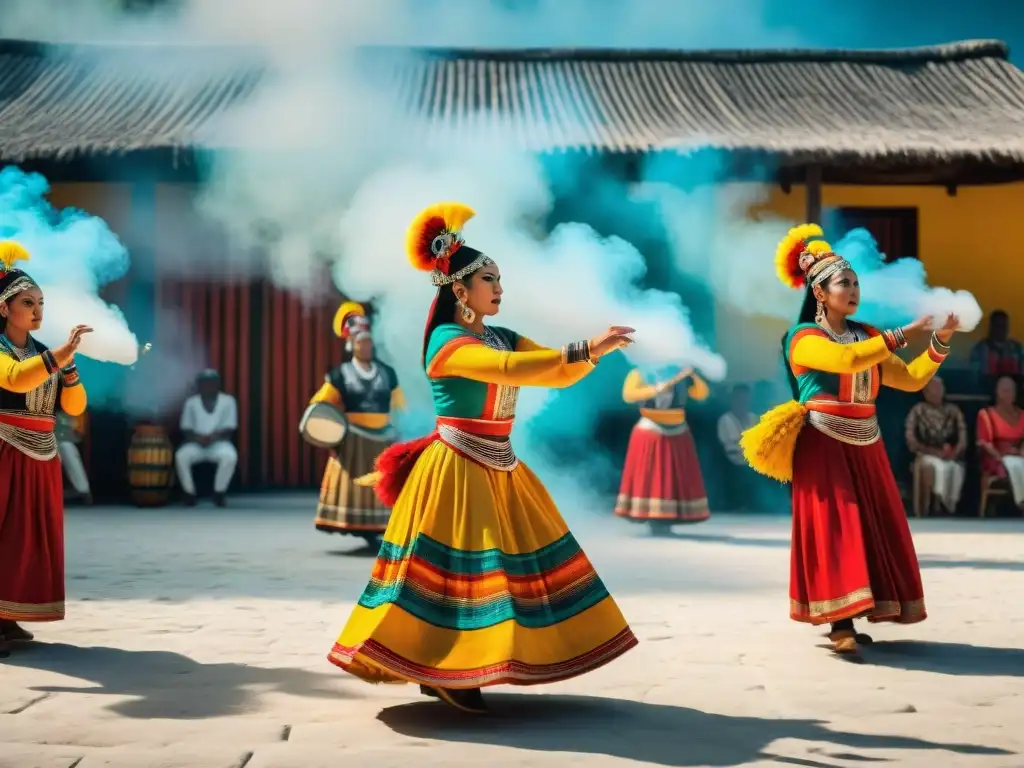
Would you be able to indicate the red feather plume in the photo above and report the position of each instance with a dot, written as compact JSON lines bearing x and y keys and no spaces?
{"x":394,"y":466}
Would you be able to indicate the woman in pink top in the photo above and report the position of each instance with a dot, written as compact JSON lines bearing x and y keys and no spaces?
{"x":1000,"y":436}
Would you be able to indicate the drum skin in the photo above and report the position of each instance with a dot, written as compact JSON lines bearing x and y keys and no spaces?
{"x":323,"y":425}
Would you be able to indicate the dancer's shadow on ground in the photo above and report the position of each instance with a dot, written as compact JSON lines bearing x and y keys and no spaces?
{"x":973,"y":564}
{"x":163,"y":684}
{"x":783,"y":543}
{"x":647,"y":733}
{"x":725,"y":538}
{"x":946,"y":658}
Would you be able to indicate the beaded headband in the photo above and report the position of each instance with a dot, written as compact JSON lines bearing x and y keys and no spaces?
{"x":826,"y":267}
{"x":18,"y":285}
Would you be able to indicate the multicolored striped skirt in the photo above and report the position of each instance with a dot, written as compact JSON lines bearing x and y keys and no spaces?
{"x":345,"y":507}
{"x":479,"y":582}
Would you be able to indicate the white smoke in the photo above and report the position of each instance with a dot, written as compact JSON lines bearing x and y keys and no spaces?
{"x":897,"y":292}
{"x":73,"y":254}
{"x":570,"y":285}
{"x":715,"y":239}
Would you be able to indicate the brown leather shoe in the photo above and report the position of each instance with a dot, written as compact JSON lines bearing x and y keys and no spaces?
{"x":844,"y":641}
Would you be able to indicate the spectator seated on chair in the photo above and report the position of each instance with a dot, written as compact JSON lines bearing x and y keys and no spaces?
{"x":937,"y":436}
{"x":1000,"y":436}
{"x":209,"y":420}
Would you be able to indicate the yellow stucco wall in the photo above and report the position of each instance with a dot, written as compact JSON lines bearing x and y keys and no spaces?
{"x":972,"y":241}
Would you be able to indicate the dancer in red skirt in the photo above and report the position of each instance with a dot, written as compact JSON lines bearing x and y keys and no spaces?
{"x":852,"y":554}
{"x":34,"y":381}
{"x":661,"y":481}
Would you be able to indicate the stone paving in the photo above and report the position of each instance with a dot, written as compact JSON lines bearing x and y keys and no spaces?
{"x":197,"y":637}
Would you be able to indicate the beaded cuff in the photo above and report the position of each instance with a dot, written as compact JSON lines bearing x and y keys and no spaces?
{"x":576,"y":352}
{"x":937,"y":349}
{"x":69,"y":375}
{"x":894,"y":339}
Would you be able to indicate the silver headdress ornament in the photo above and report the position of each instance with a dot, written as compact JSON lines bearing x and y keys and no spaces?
{"x":444,"y":247}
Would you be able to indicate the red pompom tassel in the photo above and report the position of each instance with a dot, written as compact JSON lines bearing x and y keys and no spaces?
{"x":395,"y":464}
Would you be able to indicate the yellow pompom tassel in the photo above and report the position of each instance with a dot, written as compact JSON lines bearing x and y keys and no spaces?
{"x":768,"y":445}
{"x":367,"y":481}
{"x":11,"y":253}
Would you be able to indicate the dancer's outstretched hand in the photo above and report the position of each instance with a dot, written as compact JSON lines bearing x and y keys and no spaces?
{"x":65,"y":353}
{"x":948,"y":328}
{"x":616,"y":337}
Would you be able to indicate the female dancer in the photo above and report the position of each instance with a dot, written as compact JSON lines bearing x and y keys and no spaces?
{"x":33,"y":381}
{"x":367,"y":391}
{"x":1001,"y":439}
{"x":661,"y":481}
{"x":852,"y":554}
{"x":478,"y":582}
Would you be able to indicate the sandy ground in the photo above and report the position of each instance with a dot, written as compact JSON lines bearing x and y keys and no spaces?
{"x":198,"y":638}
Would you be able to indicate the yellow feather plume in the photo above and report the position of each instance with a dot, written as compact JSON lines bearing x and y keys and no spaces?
{"x":344,"y":311}
{"x":428,"y":224}
{"x":768,"y":445}
{"x":11,"y":253}
{"x":787,"y":254}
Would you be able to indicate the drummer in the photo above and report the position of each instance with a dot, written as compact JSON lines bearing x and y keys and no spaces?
{"x":367,"y":391}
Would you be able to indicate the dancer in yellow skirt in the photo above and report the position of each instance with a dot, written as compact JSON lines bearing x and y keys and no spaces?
{"x":478,"y":582}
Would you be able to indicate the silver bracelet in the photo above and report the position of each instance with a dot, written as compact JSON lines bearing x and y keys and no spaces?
{"x":577,"y":352}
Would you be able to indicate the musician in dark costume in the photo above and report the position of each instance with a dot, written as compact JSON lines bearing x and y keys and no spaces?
{"x":366,"y":392}
{"x":34,"y":383}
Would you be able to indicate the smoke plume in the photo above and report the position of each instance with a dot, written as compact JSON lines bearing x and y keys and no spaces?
{"x":73,"y":256}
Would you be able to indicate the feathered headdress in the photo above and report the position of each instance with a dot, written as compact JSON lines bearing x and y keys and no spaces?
{"x":12,"y":280}
{"x":434,"y":236}
{"x":802,"y":257}
{"x":350,"y":322}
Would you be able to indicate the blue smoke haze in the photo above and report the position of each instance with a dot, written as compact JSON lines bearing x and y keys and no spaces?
{"x":695,"y":238}
{"x":73,"y":254}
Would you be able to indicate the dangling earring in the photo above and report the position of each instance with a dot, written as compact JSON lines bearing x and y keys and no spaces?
{"x":467,"y":314}
{"x":819,"y":315}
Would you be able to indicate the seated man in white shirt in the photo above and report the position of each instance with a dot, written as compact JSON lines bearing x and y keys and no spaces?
{"x":208,"y":422}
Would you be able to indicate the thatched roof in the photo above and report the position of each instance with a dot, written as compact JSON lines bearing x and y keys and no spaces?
{"x":955,"y":104}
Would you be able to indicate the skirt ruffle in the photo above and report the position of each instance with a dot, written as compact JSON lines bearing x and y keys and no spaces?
{"x":31,"y":537}
{"x":479,"y":582}
{"x":852,"y":553}
{"x":661,"y":479}
{"x":345,"y":507}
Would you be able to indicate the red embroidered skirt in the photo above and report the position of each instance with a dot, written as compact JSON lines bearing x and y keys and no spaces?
{"x":852,"y":554}
{"x":661,"y":480}
{"x":31,"y":537}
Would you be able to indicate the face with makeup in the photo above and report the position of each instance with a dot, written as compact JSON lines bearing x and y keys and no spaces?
{"x":839,"y":294}
{"x":481,"y":291}
{"x":24,"y":311}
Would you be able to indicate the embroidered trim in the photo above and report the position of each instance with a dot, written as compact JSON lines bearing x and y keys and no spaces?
{"x":495,"y":454}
